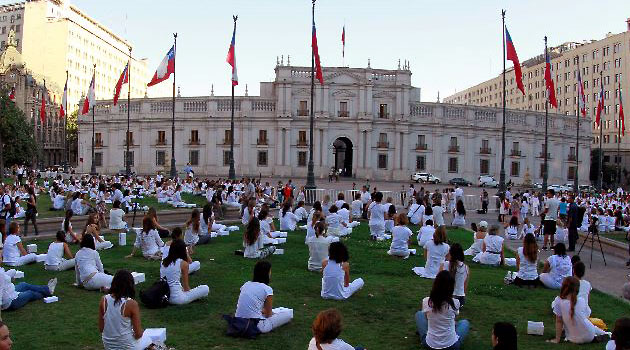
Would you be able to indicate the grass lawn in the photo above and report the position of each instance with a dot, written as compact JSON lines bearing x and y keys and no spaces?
{"x":380,"y":316}
{"x":617,"y":236}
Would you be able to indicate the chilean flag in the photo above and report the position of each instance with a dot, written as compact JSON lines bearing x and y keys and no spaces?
{"x":600,"y":104}
{"x":12,"y":94}
{"x":166,"y":67}
{"x":42,"y":109}
{"x":231,"y":57}
{"x":124,"y":79}
{"x":318,"y":67}
{"x":581,"y":98}
{"x":551,"y":91}
{"x":90,"y":98}
{"x":622,"y":119}
{"x":343,"y":41}
{"x":64,"y":100}
{"x":512,"y":56}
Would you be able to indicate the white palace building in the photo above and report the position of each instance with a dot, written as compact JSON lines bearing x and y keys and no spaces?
{"x":368,"y":122}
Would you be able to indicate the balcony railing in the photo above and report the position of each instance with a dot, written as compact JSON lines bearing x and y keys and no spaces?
{"x":131,"y":143}
{"x":160,"y":142}
{"x":302,"y":143}
{"x":421,"y":146}
{"x":571,"y":157}
{"x":261,"y":142}
{"x":98,"y":144}
{"x":226,"y":141}
{"x":383,"y":115}
{"x":453,"y":148}
{"x":193,"y":141}
{"x":485,"y":150}
{"x":515,"y":153}
{"x":382,"y":144}
{"x":343,"y":114}
{"x":302,"y":113}
{"x":542,"y":155}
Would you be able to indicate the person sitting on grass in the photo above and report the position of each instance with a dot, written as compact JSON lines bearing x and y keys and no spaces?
{"x":193,"y":235}
{"x":401,"y":237}
{"x":390,"y":215}
{"x":327,"y":327}
{"x":571,"y":316}
{"x":175,"y":270}
{"x":93,"y":227}
{"x":425,"y":233}
{"x":511,"y":230}
{"x":177,"y":234}
{"x":56,"y":251}
{"x":435,"y":322}
{"x":255,"y":301}
{"x":459,"y":216}
{"x":253,"y":245}
{"x":152,"y":213}
{"x":479,"y":234}
{"x":13,"y":253}
{"x":117,"y":217}
{"x":336,"y":227}
{"x":336,"y":274}
{"x":435,"y":251}
{"x":249,"y":212}
{"x":620,"y":339}
{"x":288,"y":220}
{"x":376,"y":213}
{"x":16,"y":296}
{"x":585,"y":286}
{"x":557,"y":267}
{"x":416,"y":211}
{"x":527,"y":263}
{"x":148,"y":241}
{"x":89,"y":270}
{"x":504,"y":336}
{"x":119,"y":314}
{"x":300,"y":212}
{"x":456,"y":266}
{"x":346,"y":218}
{"x":318,"y":247}
{"x":492,"y":249}
{"x":267,"y":230}
{"x":66,"y":226}
{"x":79,"y":205}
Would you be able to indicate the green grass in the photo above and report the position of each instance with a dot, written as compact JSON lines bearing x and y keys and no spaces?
{"x":380,"y":316}
{"x":617,"y":236}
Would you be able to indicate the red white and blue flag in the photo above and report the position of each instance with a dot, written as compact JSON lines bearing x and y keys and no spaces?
{"x":600,"y":104}
{"x":166,"y":67}
{"x":64,"y":100}
{"x":124,"y":79}
{"x":622,"y":119}
{"x":90,"y":98}
{"x":318,"y":67}
{"x":512,"y":56}
{"x":551,"y":91}
{"x":231,"y":57}
{"x":581,"y":97}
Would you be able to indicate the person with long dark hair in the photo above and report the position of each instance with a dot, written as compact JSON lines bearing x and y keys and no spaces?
{"x":176,"y":235}
{"x":56,"y":251}
{"x":175,"y":270}
{"x":456,"y":266}
{"x":327,"y":327}
{"x":459,"y":217}
{"x":90,"y":273}
{"x":435,"y":251}
{"x":557,"y":267}
{"x":336,"y":274}
{"x":13,"y":252}
{"x":148,"y":241}
{"x":620,"y":339}
{"x":119,"y":314}
{"x":194,"y":235}
{"x":504,"y":336}
{"x":31,"y":211}
{"x":288,"y":220}
{"x":66,"y":226}
{"x":255,"y":301}
{"x":436,"y":321}
{"x":253,"y":245}
{"x":527,"y":263}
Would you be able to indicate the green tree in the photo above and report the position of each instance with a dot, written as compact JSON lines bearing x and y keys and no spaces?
{"x":72,"y":128}
{"x":19,"y":146}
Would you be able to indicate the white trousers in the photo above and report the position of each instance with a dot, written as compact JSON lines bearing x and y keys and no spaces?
{"x":276,"y":320}
{"x":377,"y":230}
{"x":103,"y":245}
{"x":182,"y":297}
{"x":63,"y":266}
{"x":98,"y":281}
{"x":194,"y":267}
{"x":548,"y":281}
{"x":24,"y":260}
{"x":354,"y":224}
{"x":353,"y":287}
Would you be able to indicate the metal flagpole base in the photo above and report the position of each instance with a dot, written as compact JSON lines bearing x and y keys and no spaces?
{"x":232,"y":172}
{"x":173,"y":169}
{"x":502,"y":181}
{"x":310,"y":177}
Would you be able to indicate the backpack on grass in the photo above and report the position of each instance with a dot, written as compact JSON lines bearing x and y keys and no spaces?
{"x":241,"y":327}
{"x":156,"y":296}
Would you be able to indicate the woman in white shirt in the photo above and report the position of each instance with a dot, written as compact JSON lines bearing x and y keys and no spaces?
{"x":300,"y":212}
{"x":357,"y":206}
{"x":266,"y":231}
{"x":401,"y":235}
{"x":416,"y":211}
{"x":436,"y":321}
{"x":511,"y":231}
{"x":346,"y":218}
{"x":117,"y":217}
{"x":13,"y":297}
{"x":288,"y":220}
{"x":336,"y":227}
{"x":479,"y":235}
{"x":557,"y":267}
{"x":175,"y":270}
{"x":231,"y":200}
{"x":119,"y":314}
{"x":248,"y":212}
{"x":253,"y":242}
{"x":425,"y":233}
{"x":93,"y":227}
{"x":571,"y":316}
{"x":13,"y":253}
{"x":527,"y":263}
{"x":326,"y":330}
{"x":459,"y":218}
{"x":459,"y":271}
{"x":376,"y":212}
{"x":428,"y":214}
{"x":527,"y":228}
{"x":492,"y":249}
{"x":89,"y":270}
{"x":148,"y":241}
{"x":255,"y":301}
{"x":177,"y":234}
{"x":438,"y":212}
{"x":336,"y":274}
{"x":318,"y":247}
{"x":435,"y":251}
{"x":193,"y":235}
{"x":56,"y":251}
{"x":79,"y":206}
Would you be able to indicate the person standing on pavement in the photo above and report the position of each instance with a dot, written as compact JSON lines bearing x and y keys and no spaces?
{"x":551,"y":216}
{"x":484,"y":201}
{"x":573,"y":222}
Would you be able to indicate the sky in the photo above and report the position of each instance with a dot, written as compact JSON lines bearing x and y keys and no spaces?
{"x":451,"y":44}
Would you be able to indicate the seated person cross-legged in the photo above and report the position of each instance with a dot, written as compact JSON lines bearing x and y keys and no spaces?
{"x":336,"y":274}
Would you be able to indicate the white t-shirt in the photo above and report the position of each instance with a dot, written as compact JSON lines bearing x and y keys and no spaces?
{"x":11,"y":252}
{"x":585,"y":290}
{"x":460,"y":277}
{"x":400,"y":238}
{"x":552,"y":204}
{"x":252,"y":299}
{"x":441,"y":332}
{"x":425,"y":234}
{"x":377,"y":213}
{"x":54,"y":256}
{"x":438,"y":218}
{"x":435,"y":256}
{"x":336,"y":344}
{"x":116,"y":219}
{"x":560,"y":267}
{"x":578,"y":329}
{"x":7,"y":288}
{"x":357,"y":207}
{"x":527,"y":270}
{"x":416,"y":212}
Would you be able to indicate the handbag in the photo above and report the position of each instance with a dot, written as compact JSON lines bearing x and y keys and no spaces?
{"x":156,"y":296}
{"x":239,"y":327}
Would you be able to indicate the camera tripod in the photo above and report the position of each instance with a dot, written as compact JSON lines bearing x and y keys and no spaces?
{"x":592,"y":232}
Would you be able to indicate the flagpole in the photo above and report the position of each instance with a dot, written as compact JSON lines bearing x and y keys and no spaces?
{"x":576,"y":183}
{"x":310,"y":176}
{"x":93,"y":167}
{"x":502,"y":173}
{"x":128,"y":163}
{"x":546,"y":150}
{"x":618,"y":160}
{"x":600,"y":173}
{"x":66,"y":166}
{"x":41,"y":161}
{"x":232,"y":171}
{"x":173,"y":169}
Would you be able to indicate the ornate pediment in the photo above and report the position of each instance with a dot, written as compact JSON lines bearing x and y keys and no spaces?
{"x":344,"y":93}
{"x":344,"y":77}
{"x":302,"y":92}
{"x":384,"y":94}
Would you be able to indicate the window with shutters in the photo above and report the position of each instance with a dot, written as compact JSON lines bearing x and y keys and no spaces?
{"x":193,"y":157}
{"x":160,"y":158}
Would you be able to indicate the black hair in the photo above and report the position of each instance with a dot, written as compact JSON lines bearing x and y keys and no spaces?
{"x":87,"y":241}
{"x":176,"y":251}
{"x":378,"y":196}
{"x":428,"y":211}
{"x":345,"y":206}
{"x":261,"y":272}
{"x":579,"y":269}
{"x":457,"y":254}
{"x":252,"y":231}
{"x":285,"y":208}
{"x":333,"y":209}
{"x":116,"y":204}
{"x":338,"y":252}
{"x":575,"y":259}
{"x":560,"y":249}
{"x":317,"y":206}
{"x":391,"y":210}
{"x":60,"y":236}
{"x":66,"y":222}
{"x":442,"y":291}
{"x":122,"y":286}
{"x":207,"y":212}
{"x":176,"y":233}
{"x":505,"y":333}
{"x":429,"y":222}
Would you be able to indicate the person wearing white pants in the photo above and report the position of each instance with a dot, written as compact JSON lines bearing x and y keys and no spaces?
{"x":376,"y":212}
{"x":256,"y":301}
{"x":176,"y":234}
{"x":55,"y":257}
{"x":336,"y":274}
{"x":14,"y":253}
{"x":88,"y":266}
{"x":175,"y":269}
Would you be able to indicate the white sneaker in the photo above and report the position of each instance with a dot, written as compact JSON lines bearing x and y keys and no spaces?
{"x":52,"y":284}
